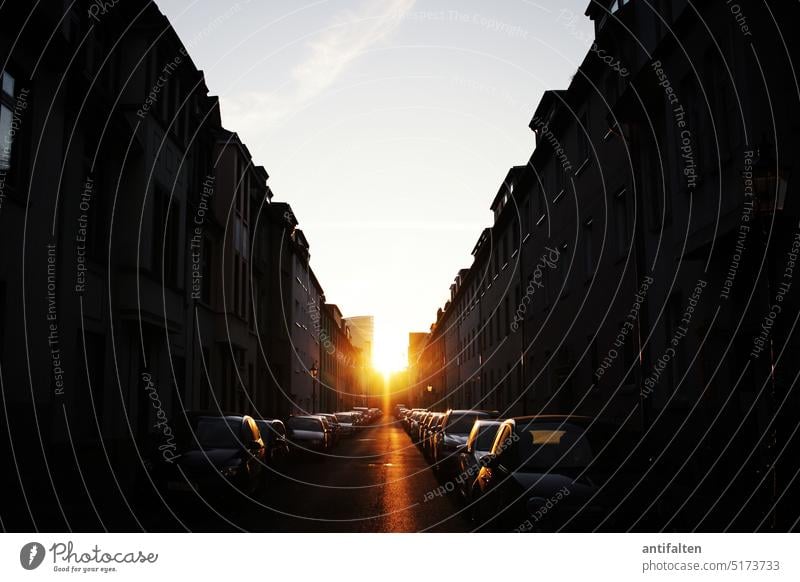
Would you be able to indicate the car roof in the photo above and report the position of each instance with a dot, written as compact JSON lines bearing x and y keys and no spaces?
{"x":238,"y":417}
{"x":472,"y":411}
{"x":572,"y":417}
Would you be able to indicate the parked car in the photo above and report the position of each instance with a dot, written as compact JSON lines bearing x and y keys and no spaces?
{"x":365,"y":412}
{"x":432,"y":426}
{"x":219,"y":452}
{"x":273,"y":433}
{"x":449,"y":441}
{"x":361,"y":417}
{"x":419,"y":426}
{"x":413,"y":424}
{"x":348,"y":421}
{"x":411,"y":416}
{"x":333,"y":422}
{"x":330,"y":442}
{"x":470,"y":459}
{"x":549,"y":472}
{"x":308,"y":434}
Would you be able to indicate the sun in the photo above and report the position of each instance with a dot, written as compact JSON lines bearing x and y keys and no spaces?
{"x":390,"y":348}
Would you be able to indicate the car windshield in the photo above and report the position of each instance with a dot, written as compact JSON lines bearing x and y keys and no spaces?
{"x":264,"y":429}
{"x":218,"y":433}
{"x":461,"y":423}
{"x":268,"y":430}
{"x":552,"y":445}
{"x":304,"y":424}
{"x":486,"y":434}
{"x":344,"y":417}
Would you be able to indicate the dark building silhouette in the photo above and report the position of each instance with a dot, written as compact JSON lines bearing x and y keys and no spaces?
{"x":142,"y":269}
{"x":635,"y":263}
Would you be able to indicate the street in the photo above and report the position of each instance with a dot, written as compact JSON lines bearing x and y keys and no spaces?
{"x":374,"y":481}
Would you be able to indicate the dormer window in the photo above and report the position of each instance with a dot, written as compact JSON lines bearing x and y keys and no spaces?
{"x":617,"y":5}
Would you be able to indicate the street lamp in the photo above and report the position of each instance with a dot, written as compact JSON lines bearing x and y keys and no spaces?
{"x":314,"y":371}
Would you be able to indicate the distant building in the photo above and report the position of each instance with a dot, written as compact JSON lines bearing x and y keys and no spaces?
{"x":338,"y":369}
{"x":362,"y":328}
{"x":417,"y":341}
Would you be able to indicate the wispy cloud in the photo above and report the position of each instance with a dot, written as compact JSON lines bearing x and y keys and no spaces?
{"x":329,"y":53}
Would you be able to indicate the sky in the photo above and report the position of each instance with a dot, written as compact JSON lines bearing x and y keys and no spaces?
{"x":388,"y":125}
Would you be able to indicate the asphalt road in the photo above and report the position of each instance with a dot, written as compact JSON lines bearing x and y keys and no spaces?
{"x":374,"y":481}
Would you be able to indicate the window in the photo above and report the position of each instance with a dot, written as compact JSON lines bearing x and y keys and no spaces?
{"x":526,"y":218}
{"x":241,"y":245}
{"x":583,"y":137}
{"x":621,"y":222}
{"x":654,"y":180}
{"x":508,"y":316}
{"x":91,"y":369}
{"x":546,"y":376}
{"x":206,"y":258}
{"x":208,"y":381}
{"x":628,"y":355}
{"x":588,"y":250}
{"x":665,"y":11}
{"x":611,"y":89}
{"x":696,"y":108}
{"x":2,"y":317}
{"x":541,"y":210}
{"x":236,"y":285}
{"x":13,"y":138}
{"x":97,"y":240}
{"x":671,"y":318}
{"x":563,"y":273}
{"x":509,"y":386}
{"x":617,"y":5}
{"x":547,"y":280}
{"x":166,"y":213}
{"x":253,"y":308}
{"x":723,"y":106}
{"x":7,"y":104}
{"x":561,"y":179}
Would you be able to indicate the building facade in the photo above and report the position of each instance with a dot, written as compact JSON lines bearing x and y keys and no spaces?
{"x":634,"y":264}
{"x":145,"y":270}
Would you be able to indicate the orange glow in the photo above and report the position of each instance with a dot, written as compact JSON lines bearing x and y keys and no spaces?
{"x":390,"y":348}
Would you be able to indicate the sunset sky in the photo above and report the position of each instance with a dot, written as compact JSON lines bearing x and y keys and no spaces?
{"x":388,"y":125}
